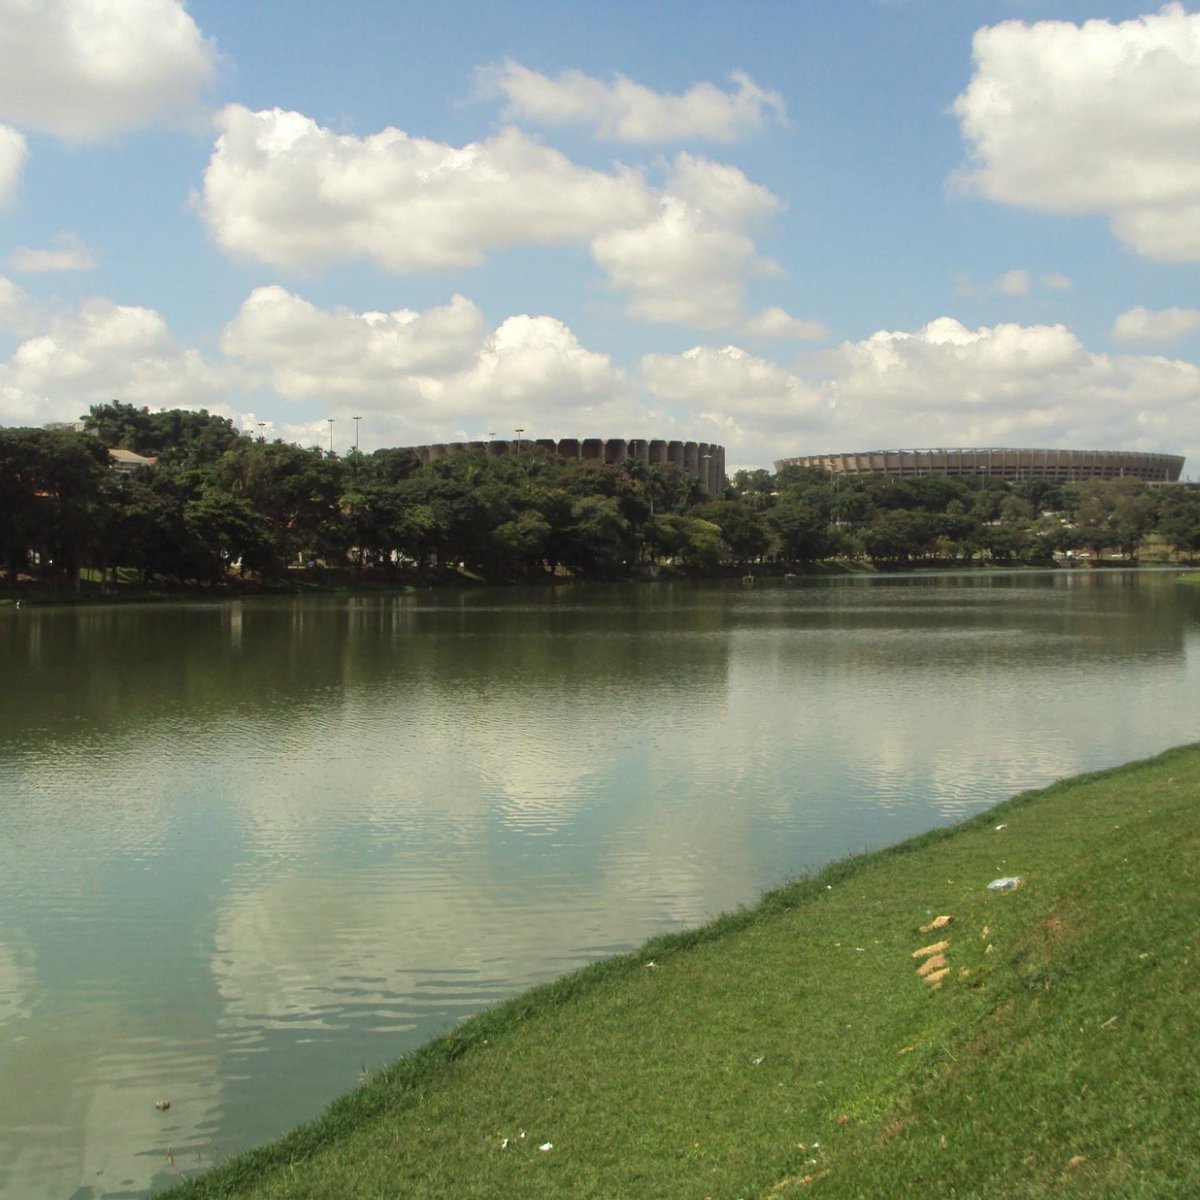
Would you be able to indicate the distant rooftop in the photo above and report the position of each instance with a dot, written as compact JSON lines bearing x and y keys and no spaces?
{"x":126,"y":461}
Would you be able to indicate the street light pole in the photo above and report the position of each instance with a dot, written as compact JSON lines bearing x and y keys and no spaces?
{"x":518,"y":432}
{"x":261,"y":426}
{"x":330,"y":419}
{"x":356,"y":421}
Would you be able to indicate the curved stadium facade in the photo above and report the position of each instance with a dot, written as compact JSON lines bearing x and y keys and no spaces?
{"x":702,"y":461}
{"x":1062,"y":466}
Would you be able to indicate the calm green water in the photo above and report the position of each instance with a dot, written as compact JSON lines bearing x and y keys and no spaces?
{"x":248,"y":849}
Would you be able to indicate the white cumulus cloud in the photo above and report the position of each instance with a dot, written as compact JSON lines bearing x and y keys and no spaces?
{"x":437,"y":375}
{"x":535,"y":365}
{"x":15,"y":306}
{"x":1141,"y":324}
{"x":67,"y":253}
{"x":81,"y":69}
{"x":282,"y":190}
{"x":625,"y":111}
{"x":778,"y":323}
{"x":100,"y":352}
{"x":445,"y":373}
{"x":1093,"y":118}
{"x":13,"y":153}
{"x":733,"y":382}
{"x":1017,"y":282}
{"x":689,"y":263}
{"x":1010,"y":384}
{"x":1020,"y":281}
{"x":312,"y":352}
{"x":942,"y":385}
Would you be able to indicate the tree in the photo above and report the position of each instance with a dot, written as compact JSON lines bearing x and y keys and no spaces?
{"x":519,"y":544}
{"x":175,"y":434}
{"x":50,"y":499}
{"x":598,"y":540}
{"x":296,"y":491}
{"x":743,"y":530}
{"x":228,"y":530}
{"x":755,"y":489}
{"x":1045,"y":495}
{"x":122,"y":426}
{"x":1178,"y":519}
{"x":899,"y":535}
{"x":1112,"y":513}
{"x":699,"y":543}
{"x":800,"y":533}
{"x":1047,"y":537}
{"x":391,"y":466}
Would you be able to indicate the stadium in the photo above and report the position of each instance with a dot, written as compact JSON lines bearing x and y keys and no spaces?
{"x":701,"y":461}
{"x":1013,"y":465}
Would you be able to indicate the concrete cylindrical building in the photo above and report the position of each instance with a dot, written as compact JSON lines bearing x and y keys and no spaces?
{"x":702,"y":461}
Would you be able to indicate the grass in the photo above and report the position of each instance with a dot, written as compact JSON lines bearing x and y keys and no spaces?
{"x":791,"y":1050}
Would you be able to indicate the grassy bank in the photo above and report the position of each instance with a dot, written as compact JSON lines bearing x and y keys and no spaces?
{"x":793,"y":1050}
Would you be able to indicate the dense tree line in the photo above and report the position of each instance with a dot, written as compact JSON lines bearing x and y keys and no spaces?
{"x":220,"y":504}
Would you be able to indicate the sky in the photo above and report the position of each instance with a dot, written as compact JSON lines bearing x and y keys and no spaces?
{"x":789,"y":228}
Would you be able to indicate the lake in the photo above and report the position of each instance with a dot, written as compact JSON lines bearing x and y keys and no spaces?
{"x":252,"y":849}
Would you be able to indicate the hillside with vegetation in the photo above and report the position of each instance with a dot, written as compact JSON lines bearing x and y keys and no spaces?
{"x":221,"y":508}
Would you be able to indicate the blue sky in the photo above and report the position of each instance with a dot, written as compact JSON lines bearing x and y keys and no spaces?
{"x":784,"y":227}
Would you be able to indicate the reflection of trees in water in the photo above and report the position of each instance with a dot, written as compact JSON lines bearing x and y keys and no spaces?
{"x":120,"y":668}
{"x":1031,"y":623}
{"x":374,"y":813}
{"x":114,"y":673}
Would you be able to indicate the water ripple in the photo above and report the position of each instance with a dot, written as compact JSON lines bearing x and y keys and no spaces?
{"x":297,"y":843}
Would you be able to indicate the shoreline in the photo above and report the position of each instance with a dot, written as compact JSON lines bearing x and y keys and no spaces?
{"x":328,"y":583}
{"x":698,"y":1063}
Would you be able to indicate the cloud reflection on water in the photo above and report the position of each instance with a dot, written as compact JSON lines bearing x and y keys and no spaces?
{"x":252,"y":858}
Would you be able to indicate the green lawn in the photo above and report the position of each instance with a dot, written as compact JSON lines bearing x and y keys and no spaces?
{"x":791,"y":1050}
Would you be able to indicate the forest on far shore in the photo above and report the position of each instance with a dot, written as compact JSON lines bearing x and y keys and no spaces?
{"x":220,"y":507}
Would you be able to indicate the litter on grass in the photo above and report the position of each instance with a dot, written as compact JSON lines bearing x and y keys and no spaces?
{"x":545,"y":1146}
{"x":935,"y":948}
{"x":1009,"y":883}
{"x":936,"y":924}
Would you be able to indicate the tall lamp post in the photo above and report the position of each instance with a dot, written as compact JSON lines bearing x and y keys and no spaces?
{"x":356,"y":421}
{"x":261,"y":426}
{"x":330,"y":419}
{"x":518,"y":432}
